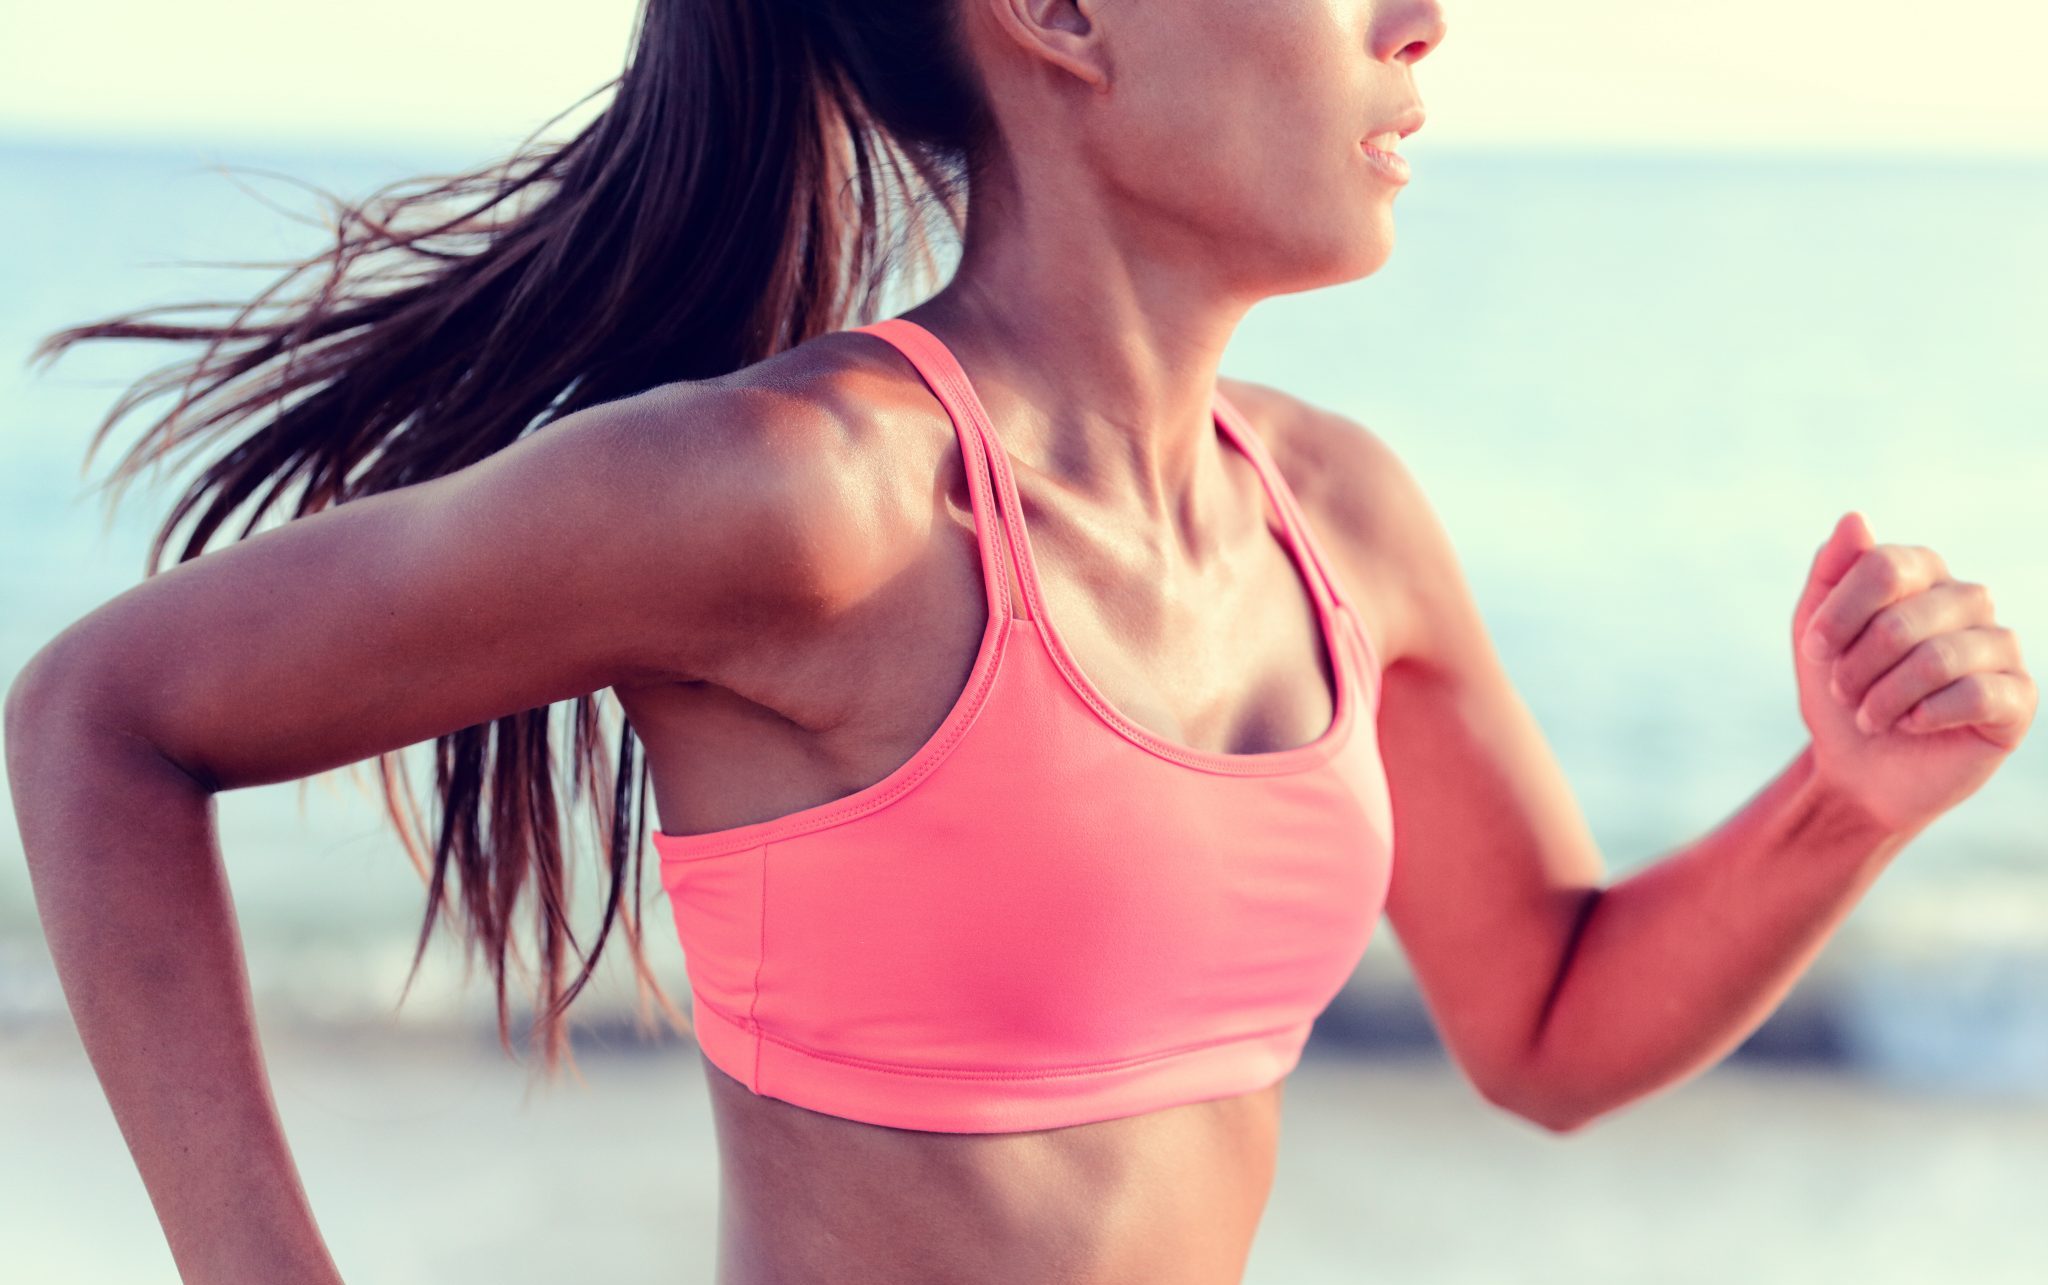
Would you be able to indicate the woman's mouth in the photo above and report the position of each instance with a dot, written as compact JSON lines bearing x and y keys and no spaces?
{"x":1379,"y":150}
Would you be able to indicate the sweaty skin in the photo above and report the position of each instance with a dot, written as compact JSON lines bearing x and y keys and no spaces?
{"x":1172,"y":1195}
{"x":1169,"y":1195}
{"x":1166,"y":166}
{"x":776,"y":573}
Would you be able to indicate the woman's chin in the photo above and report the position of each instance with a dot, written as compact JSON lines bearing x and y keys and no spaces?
{"x":1341,"y":254}
{"x":1367,"y":252}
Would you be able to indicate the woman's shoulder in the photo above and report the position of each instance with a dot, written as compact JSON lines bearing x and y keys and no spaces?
{"x":812,"y":455}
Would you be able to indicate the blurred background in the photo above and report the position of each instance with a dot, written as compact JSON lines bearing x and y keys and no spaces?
{"x":1673,"y":291}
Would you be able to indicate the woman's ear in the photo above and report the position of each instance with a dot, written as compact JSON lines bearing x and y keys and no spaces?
{"x":1063,"y":33}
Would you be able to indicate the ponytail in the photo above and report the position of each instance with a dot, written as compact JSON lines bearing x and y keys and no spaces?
{"x":730,"y":201}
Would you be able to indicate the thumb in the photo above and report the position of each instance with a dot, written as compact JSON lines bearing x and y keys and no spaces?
{"x":1839,"y":552}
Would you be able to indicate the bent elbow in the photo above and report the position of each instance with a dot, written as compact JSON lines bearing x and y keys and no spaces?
{"x":1551,"y":1111}
{"x":1564,"y":1124}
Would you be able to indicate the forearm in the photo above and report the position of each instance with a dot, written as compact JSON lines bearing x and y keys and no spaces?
{"x":134,"y":903}
{"x":1675,"y":965}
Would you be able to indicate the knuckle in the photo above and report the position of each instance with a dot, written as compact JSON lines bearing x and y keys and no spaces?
{"x":1841,"y":684}
{"x":1972,"y":690}
{"x":1937,"y":657}
{"x":1893,"y":627}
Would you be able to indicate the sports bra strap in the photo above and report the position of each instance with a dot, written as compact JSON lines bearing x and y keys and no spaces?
{"x":979,"y":452}
{"x":1291,"y":516}
{"x":987,"y":458}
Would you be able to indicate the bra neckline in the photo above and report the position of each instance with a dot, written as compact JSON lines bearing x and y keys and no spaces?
{"x":1296,"y":548}
{"x":1001,"y":628}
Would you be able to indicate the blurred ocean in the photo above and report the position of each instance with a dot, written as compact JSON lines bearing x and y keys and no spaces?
{"x":1640,"y":389}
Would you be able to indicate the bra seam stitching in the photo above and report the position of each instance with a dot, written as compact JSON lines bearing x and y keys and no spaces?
{"x":760,"y":960}
{"x":933,"y":754}
{"x":1313,"y":753}
{"x":970,"y":1074}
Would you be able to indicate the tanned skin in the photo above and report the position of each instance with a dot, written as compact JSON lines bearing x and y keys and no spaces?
{"x":775,"y":572}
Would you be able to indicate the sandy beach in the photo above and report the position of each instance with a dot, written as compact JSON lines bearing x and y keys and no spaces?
{"x":431,"y":1164}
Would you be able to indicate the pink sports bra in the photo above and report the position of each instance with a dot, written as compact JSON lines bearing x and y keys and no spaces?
{"x":1049,"y":915}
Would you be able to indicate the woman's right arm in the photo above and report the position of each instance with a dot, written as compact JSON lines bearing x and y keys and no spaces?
{"x":640,"y":541}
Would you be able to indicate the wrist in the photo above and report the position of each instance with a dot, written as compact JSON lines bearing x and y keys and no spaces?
{"x":1840,"y":815}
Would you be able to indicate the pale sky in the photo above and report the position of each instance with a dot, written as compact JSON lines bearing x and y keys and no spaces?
{"x":1873,"y":74}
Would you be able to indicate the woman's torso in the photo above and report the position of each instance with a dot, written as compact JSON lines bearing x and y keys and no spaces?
{"x":1172,"y":1194}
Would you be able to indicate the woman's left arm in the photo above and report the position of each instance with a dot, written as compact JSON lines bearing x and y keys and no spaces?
{"x":1560,"y":995}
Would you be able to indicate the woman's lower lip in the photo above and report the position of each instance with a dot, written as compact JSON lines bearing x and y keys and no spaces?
{"x":1389,"y":164}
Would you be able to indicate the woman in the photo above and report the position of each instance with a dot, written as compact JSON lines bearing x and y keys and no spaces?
{"x":1010,"y":679}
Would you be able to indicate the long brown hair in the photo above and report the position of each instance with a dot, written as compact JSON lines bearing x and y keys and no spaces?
{"x":759,"y":172}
